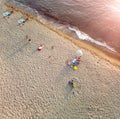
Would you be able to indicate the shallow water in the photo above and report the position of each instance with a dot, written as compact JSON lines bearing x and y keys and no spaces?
{"x":99,"y":19}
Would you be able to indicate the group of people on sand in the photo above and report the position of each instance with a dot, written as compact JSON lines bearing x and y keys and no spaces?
{"x":74,"y":62}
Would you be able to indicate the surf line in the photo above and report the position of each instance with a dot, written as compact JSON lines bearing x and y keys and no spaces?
{"x":102,"y":52}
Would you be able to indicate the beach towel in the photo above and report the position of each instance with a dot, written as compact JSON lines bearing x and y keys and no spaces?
{"x":7,"y":13}
{"x":21,"y":21}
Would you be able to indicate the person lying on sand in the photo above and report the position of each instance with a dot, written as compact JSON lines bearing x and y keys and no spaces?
{"x":22,"y":21}
{"x":7,"y":13}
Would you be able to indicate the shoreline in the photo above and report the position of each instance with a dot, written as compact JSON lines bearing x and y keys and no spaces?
{"x":35,"y":84}
{"x":102,"y":52}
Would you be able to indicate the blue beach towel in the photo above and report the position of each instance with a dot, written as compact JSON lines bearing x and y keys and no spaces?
{"x":21,"y":21}
{"x":7,"y":13}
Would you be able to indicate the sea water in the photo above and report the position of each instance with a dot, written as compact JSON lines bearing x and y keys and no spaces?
{"x":97,"y":21}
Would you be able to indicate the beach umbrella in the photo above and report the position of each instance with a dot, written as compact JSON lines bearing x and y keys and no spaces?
{"x":79,"y":53}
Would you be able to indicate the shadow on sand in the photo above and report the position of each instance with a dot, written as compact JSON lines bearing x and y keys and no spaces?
{"x":18,"y":47}
{"x":69,"y":91}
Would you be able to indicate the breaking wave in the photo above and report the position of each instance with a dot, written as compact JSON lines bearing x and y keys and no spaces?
{"x":83,"y":36}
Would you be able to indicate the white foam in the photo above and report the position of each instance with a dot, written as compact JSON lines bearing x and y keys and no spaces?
{"x":83,"y":36}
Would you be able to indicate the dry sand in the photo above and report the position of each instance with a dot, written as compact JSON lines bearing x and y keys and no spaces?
{"x":34,"y":85}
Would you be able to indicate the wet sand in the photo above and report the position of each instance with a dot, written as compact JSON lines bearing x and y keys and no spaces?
{"x":34,"y":84}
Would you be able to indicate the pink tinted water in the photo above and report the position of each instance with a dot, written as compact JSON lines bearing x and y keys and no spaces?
{"x":98,"y":18}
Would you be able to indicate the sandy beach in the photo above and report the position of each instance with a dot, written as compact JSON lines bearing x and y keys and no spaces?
{"x":34,"y":84}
